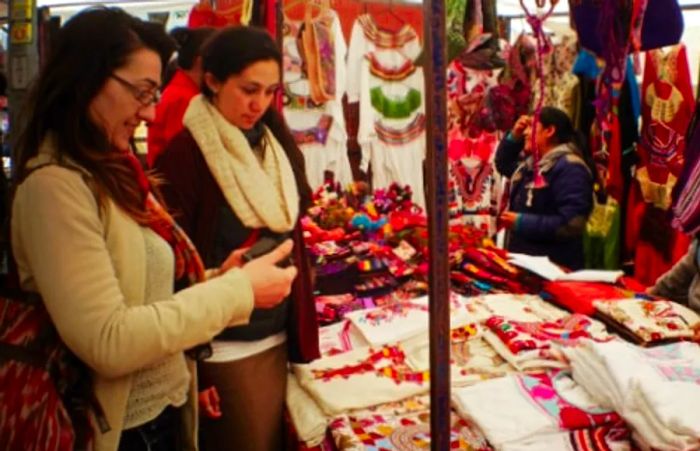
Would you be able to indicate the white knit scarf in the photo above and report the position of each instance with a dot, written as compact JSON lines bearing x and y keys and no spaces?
{"x":261,"y":194}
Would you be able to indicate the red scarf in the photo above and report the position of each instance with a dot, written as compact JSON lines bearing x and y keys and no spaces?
{"x":187,"y":260}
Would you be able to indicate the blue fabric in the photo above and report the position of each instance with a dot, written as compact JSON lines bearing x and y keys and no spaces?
{"x":541,"y":228}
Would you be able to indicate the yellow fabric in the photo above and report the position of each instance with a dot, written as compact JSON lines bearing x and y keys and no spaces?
{"x":90,"y":271}
{"x":664,"y":110}
{"x":602,"y":216}
{"x":657,"y":194}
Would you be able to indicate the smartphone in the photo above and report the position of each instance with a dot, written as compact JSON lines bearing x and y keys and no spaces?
{"x":263,"y":246}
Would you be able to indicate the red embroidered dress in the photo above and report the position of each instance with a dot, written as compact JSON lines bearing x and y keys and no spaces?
{"x":667,"y":108}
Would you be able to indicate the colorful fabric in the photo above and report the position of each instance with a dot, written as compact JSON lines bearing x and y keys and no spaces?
{"x":396,"y":106}
{"x":403,"y":135}
{"x":654,"y":389}
{"x":319,"y":56}
{"x":666,"y":113}
{"x":397,"y":73}
{"x":514,"y":410}
{"x":528,"y":345}
{"x":400,"y":320}
{"x":316,"y":134}
{"x":361,"y":378}
{"x":579,"y":296}
{"x":473,"y":181}
{"x":381,"y":432}
{"x":650,"y":321}
{"x":385,"y":39}
{"x":188,"y":263}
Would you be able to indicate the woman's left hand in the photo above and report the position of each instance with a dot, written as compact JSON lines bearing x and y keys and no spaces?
{"x":507,"y":220}
{"x":234,"y":260}
{"x":209,"y":403}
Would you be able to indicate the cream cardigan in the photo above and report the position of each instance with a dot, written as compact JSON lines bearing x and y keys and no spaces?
{"x":90,"y":270}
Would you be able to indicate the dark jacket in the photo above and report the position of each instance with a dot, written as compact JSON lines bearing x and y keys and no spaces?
{"x":552,"y":222}
{"x":199,"y":206}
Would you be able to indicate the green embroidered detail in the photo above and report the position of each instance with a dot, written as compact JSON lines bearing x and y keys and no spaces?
{"x":395,"y":108}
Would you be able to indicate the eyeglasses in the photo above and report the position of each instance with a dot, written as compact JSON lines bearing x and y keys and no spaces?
{"x":145,"y":97}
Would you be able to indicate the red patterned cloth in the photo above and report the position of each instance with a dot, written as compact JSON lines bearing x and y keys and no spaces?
{"x":187,"y":260}
{"x":579,"y":296}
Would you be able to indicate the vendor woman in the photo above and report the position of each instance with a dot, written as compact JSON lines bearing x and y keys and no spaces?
{"x":547,"y":218}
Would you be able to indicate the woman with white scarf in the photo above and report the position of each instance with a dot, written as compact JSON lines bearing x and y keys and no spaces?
{"x":234,"y":176}
{"x":550,"y":219}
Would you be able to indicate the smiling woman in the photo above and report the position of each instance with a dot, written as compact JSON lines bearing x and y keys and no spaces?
{"x":91,"y":238}
{"x":235,"y":174}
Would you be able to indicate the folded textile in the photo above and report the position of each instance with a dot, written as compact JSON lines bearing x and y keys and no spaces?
{"x":666,"y":414}
{"x":361,"y":378}
{"x":472,"y":360}
{"x":516,"y":409}
{"x":381,"y":432}
{"x":604,"y":438}
{"x":511,"y":306}
{"x":578,"y":297}
{"x":339,"y":338}
{"x":309,"y":421}
{"x":649,"y":321}
{"x":656,"y":390}
{"x":535,"y":344}
{"x":401,"y":320}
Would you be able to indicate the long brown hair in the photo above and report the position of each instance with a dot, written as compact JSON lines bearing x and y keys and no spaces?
{"x":229,"y":52}
{"x":89,"y":48}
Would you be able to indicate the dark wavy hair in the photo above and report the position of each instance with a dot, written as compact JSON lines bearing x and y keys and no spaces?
{"x":229,"y":52}
{"x":189,"y":44}
{"x":88,"y":49}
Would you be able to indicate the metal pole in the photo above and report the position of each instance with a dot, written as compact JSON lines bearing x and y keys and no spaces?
{"x":23,"y":57}
{"x":439,"y":285}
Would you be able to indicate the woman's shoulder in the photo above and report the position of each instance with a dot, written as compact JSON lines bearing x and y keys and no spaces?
{"x":181,"y":147}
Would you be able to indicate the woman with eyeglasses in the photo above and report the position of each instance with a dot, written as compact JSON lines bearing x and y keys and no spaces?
{"x":90,"y":236}
{"x":235,"y":178}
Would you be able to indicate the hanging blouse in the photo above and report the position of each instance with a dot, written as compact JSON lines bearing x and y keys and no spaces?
{"x":474,"y":182}
{"x":667,"y":108}
{"x":389,"y":51}
{"x":312,"y":94}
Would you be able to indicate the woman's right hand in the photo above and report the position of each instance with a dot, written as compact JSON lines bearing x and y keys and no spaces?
{"x":520,"y":126}
{"x":271,"y":284}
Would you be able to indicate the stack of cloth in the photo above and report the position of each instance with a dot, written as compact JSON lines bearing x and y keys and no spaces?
{"x":536,"y":345}
{"x":648,"y":322}
{"x":535,"y":412}
{"x":656,"y":390}
{"x":403,"y":425}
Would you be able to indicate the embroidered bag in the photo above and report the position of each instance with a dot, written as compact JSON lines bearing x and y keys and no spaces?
{"x":45,"y":390}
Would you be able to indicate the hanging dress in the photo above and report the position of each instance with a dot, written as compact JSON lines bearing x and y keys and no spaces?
{"x":667,"y":107}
